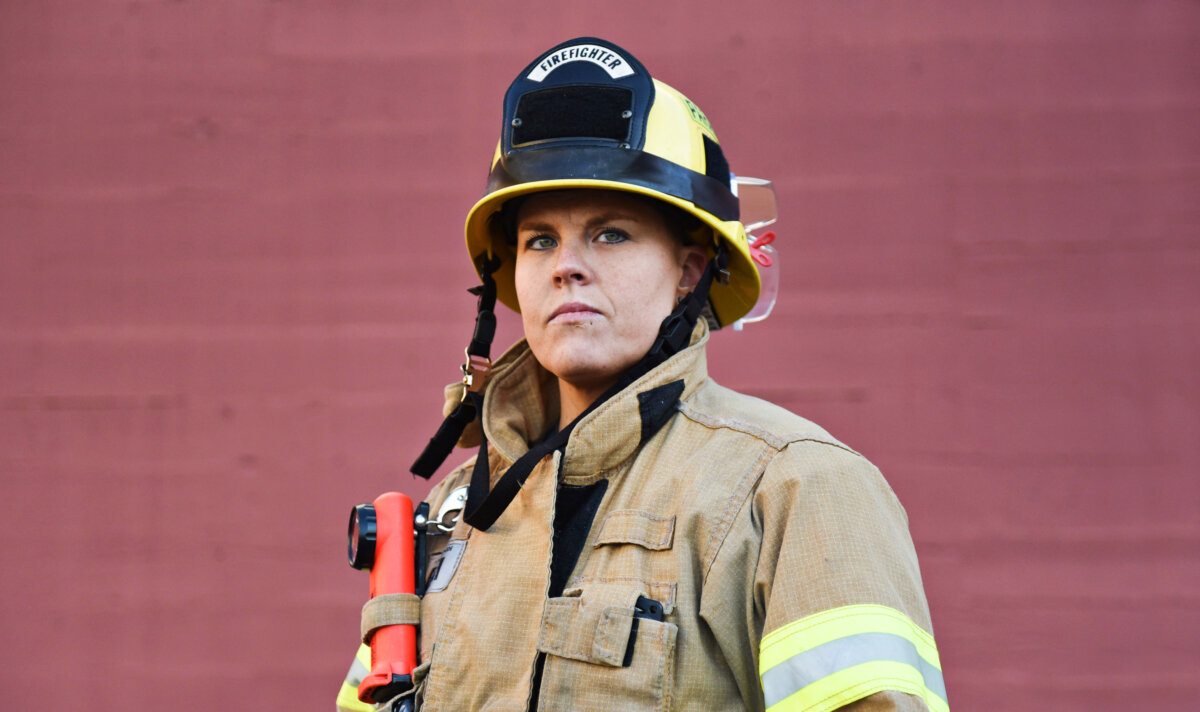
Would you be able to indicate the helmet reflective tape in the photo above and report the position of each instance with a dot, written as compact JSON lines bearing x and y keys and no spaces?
{"x":604,"y":55}
{"x":587,"y":115}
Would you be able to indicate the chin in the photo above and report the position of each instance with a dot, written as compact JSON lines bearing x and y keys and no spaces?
{"x":586,"y":368}
{"x":586,"y":357}
{"x":582,"y":371}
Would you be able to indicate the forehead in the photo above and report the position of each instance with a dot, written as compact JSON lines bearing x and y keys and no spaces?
{"x":583,"y":205}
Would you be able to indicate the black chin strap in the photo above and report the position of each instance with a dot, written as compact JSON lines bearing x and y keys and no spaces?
{"x":485,"y":504}
{"x":475,"y":372}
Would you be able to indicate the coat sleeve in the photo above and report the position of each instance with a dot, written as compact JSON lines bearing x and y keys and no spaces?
{"x":837,"y":598}
{"x":347,"y":698}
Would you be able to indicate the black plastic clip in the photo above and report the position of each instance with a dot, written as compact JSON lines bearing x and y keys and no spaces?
{"x":420,"y":531}
{"x":649,"y":609}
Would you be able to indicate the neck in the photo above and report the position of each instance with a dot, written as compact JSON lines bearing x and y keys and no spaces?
{"x":574,"y":398}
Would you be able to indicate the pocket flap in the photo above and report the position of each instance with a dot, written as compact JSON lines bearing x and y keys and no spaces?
{"x":592,"y":625}
{"x":631,"y":526}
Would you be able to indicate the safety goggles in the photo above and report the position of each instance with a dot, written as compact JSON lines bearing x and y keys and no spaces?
{"x":759,"y":210}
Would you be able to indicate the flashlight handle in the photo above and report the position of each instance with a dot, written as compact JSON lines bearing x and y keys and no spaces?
{"x":393,"y":647}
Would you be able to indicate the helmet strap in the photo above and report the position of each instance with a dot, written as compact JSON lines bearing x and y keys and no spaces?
{"x":676,"y":330}
{"x":475,"y":371}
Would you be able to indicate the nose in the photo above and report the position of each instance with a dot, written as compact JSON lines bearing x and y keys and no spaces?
{"x":571,"y":264}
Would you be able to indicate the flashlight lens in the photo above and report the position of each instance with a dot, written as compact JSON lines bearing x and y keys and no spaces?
{"x":361,"y":538}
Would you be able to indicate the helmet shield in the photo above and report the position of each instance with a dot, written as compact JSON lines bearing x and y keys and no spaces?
{"x":583,"y":91}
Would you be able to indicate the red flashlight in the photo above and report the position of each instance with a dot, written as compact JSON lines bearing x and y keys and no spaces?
{"x":381,"y":540}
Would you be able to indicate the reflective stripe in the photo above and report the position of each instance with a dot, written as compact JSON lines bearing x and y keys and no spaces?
{"x":347,"y":699}
{"x":835,"y":657}
{"x":361,"y":666}
{"x":804,"y":669}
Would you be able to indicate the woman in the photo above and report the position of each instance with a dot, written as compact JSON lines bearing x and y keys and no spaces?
{"x":633,"y":535}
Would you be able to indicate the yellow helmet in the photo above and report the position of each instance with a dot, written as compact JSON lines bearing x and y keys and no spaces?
{"x":587,"y":114}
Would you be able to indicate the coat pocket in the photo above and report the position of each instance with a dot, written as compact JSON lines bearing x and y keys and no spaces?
{"x":586,"y":635}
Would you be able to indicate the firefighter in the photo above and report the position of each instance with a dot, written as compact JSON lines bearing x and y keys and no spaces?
{"x":630,"y":535}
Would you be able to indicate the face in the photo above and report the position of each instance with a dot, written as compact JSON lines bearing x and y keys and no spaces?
{"x":596,"y":273}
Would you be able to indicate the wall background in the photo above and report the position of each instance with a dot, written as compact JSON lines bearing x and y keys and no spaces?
{"x":232,"y":282}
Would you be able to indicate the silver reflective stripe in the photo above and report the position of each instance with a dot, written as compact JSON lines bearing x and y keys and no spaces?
{"x":357,"y":672}
{"x":802,"y":670}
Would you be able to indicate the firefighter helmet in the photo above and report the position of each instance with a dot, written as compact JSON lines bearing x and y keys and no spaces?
{"x":587,"y":114}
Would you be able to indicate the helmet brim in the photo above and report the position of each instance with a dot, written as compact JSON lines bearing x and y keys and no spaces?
{"x":730,"y":301}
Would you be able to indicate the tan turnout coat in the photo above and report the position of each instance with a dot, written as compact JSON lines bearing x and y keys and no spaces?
{"x":764,"y":537}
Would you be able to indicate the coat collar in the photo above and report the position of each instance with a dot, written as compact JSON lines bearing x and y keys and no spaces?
{"x":520,"y":407}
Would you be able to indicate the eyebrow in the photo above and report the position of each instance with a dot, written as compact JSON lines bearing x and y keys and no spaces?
{"x":608,"y":217}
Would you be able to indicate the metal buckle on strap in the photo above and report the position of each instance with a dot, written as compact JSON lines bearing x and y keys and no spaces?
{"x":449,"y":512}
{"x":475,"y":373}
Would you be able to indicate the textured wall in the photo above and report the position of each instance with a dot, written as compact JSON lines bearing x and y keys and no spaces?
{"x":232,"y":282}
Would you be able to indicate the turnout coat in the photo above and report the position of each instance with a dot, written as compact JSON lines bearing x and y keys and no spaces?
{"x":778,"y":558}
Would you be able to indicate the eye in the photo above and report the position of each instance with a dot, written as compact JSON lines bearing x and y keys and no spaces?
{"x":540,"y":242}
{"x":612,"y":236}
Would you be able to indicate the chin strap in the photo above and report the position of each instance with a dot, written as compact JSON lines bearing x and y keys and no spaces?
{"x":676,"y":329}
{"x":485,"y":504}
{"x":475,"y":372}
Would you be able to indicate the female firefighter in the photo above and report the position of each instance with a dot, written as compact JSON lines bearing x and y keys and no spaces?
{"x":631,"y":535}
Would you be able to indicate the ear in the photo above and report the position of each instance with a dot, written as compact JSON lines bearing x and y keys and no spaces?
{"x":692,"y":261}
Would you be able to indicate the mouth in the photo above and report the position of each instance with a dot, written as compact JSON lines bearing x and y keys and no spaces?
{"x":573,"y":312}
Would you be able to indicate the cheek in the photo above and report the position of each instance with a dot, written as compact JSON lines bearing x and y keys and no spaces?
{"x":648,"y":296}
{"x":530,"y":291}
{"x":520,"y":282}
{"x":655,"y":283}
{"x":527,"y":304}
{"x":526,"y":299}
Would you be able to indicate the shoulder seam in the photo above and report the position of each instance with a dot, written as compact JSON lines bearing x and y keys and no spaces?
{"x":775,"y":440}
{"x":734,"y":504}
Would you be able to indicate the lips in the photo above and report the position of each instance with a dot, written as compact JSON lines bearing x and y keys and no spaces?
{"x":573,"y":311}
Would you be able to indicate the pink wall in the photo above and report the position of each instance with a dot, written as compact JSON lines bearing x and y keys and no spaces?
{"x":232,"y":282}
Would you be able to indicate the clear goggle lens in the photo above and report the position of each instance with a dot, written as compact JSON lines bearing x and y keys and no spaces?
{"x":759,"y":210}
{"x":756,"y":199}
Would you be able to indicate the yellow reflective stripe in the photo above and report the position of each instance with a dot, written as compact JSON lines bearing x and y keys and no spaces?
{"x":807,"y":633}
{"x":835,"y":657}
{"x":853,"y":684}
{"x":347,"y":698}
